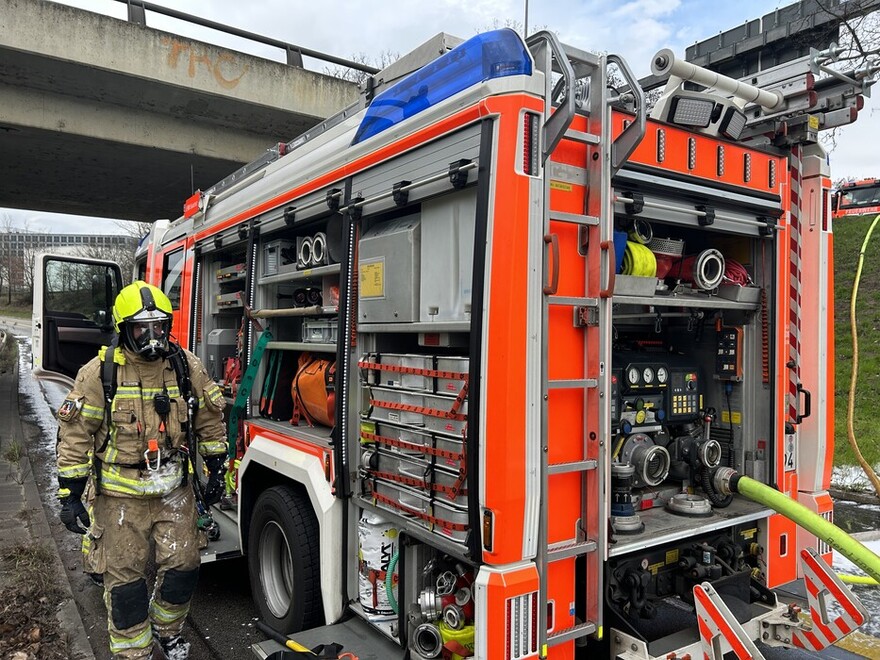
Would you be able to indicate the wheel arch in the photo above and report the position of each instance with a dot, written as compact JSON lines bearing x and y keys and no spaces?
{"x":266,"y":464}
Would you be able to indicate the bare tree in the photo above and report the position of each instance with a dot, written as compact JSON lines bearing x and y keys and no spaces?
{"x":382,"y":60}
{"x":122,"y":254}
{"x":13,"y":265}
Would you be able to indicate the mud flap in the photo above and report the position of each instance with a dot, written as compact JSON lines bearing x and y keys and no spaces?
{"x":822,"y":583}
{"x":718,"y":624}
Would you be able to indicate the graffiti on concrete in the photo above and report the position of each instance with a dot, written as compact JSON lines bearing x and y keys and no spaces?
{"x":222,"y":66}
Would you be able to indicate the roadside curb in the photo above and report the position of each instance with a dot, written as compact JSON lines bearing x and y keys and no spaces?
{"x":39,"y":531}
{"x":68,"y":614}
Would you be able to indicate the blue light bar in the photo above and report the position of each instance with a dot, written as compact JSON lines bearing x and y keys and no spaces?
{"x":489,"y":55}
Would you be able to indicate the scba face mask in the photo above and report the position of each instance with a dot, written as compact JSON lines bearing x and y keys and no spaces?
{"x":148,"y":338}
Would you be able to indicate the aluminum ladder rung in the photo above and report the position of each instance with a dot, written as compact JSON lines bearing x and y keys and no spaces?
{"x":570,"y":549}
{"x":575,"y":632}
{"x":572,"y":383}
{"x":573,"y":301}
{"x":581,"y":136}
{"x":574,"y":218}
{"x":574,"y":466}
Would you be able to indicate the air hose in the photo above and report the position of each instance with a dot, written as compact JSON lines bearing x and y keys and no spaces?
{"x":851,"y":400}
{"x":389,"y":582}
{"x":727,"y":480}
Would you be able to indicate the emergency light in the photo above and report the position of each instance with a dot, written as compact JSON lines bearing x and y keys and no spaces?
{"x":495,"y":54}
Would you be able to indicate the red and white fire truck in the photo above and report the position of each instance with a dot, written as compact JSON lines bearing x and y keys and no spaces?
{"x":499,"y":344}
{"x":861,"y":197}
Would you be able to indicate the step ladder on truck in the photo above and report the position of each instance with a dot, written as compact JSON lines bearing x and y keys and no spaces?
{"x":515,"y":370}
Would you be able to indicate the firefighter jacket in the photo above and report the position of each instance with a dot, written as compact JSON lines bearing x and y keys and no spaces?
{"x":125,"y":467}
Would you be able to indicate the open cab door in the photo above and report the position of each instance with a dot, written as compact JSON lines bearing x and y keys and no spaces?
{"x":72,"y":314}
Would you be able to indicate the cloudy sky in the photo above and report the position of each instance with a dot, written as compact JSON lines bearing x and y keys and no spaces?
{"x":635,"y":29}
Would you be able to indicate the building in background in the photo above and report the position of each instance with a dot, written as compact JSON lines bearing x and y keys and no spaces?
{"x":18,"y":249}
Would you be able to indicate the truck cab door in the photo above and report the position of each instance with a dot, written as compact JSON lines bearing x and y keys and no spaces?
{"x":72,"y":313}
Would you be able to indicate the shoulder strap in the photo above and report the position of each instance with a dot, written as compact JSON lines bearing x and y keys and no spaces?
{"x":181,"y":370}
{"x":108,"y":383}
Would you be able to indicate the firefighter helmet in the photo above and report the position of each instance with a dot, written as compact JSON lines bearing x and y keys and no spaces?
{"x":142,"y":317}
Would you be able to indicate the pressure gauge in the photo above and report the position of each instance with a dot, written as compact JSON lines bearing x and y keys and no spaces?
{"x":662,"y":375}
{"x":632,"y":375}
{"x":648,"y":375}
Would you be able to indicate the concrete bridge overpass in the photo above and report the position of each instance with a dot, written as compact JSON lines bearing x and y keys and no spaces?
{"x":103,"y":117}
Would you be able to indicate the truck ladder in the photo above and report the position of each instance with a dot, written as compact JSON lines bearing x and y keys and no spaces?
{"x":590,"y":312}
{"x":550,"y":56}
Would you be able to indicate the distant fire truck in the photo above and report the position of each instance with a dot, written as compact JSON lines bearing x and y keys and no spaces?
{"x":512,"y":366}
{"x":860,"y":197}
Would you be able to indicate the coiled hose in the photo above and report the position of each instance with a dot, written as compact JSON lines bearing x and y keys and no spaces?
{"x":851,"y":399}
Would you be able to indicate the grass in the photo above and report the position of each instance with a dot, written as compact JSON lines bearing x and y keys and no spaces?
{"x":8,"y":355}
{"x":15,"y":311}
{"x":849,"y":234}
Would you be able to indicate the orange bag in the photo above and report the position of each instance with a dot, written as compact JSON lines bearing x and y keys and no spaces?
{"x":314,"y":391}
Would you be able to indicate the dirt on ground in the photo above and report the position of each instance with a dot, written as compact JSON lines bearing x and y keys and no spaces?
{"x":29,"y":597}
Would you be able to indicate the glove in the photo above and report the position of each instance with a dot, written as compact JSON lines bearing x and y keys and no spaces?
{"x":215,"y":487}
{"x":72,"y":510}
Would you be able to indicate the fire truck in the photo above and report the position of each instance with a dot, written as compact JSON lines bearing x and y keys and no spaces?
{"x":515,"y":367}
{"x":860,"y":197}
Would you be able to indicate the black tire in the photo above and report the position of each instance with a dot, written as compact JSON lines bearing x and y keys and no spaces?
{"x":283,"y":561}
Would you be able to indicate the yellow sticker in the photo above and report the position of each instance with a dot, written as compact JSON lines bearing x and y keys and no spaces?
{"x":559,"y":185}
{"x":737,"y":417}
{"x":672,"y":556}
{"x":655,"y":567}
{"x":372,"y":279}
{"x":749,"y":533}
{"x":813,"y":121}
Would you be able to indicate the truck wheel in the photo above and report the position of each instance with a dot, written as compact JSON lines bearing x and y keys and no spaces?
{"x":283,"y":561}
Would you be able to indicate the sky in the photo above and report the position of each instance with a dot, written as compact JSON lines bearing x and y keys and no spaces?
{"x":635,"y":29}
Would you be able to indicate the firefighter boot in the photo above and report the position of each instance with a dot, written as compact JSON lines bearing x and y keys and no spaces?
{"x":175,"y":648}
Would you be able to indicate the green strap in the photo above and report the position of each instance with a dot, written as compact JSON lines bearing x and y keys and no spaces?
{"x":279,"y":362}
{"x":244,"y":390}
{"x":270,"y":375}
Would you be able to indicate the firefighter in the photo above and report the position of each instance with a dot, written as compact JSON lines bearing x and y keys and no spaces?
{"x":135,"y":450}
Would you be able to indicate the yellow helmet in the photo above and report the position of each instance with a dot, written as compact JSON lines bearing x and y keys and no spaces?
{"x":142,"y":317}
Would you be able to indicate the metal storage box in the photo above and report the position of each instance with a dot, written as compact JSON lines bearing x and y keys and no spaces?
{"x":413,"y":502}
{"x":416,"y":382}
{"x":272,"y":257}
{"x":233,"y":273}
{"x":221,"y":345}
{"x":747,"y":294}
{"x":451,"y":386}
{"x":418,"y":439}
{"x":447,"y":257}
{"x":385,"y":401}
{"x":631,"y":285}
{"x":229,"y":300}
{"x":419,"y":469}
{"x":388,"y":272}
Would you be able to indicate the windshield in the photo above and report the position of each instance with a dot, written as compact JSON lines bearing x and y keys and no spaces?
{"x":865,"y":196}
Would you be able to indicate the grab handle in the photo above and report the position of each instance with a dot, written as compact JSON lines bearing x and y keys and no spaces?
{"x":608,"y":246}
{"x":808,"y":403}
{"x":551,"y":288}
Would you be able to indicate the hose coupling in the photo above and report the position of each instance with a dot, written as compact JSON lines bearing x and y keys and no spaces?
{"x":723,"y":480}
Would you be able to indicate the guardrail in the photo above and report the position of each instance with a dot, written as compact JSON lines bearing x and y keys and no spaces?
{"x":137,"y":13}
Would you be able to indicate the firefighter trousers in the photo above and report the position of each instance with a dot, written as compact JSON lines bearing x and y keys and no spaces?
{"x":122,"y":530}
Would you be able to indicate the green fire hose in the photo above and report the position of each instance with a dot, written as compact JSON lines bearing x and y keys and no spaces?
{"x":727,"y":480}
